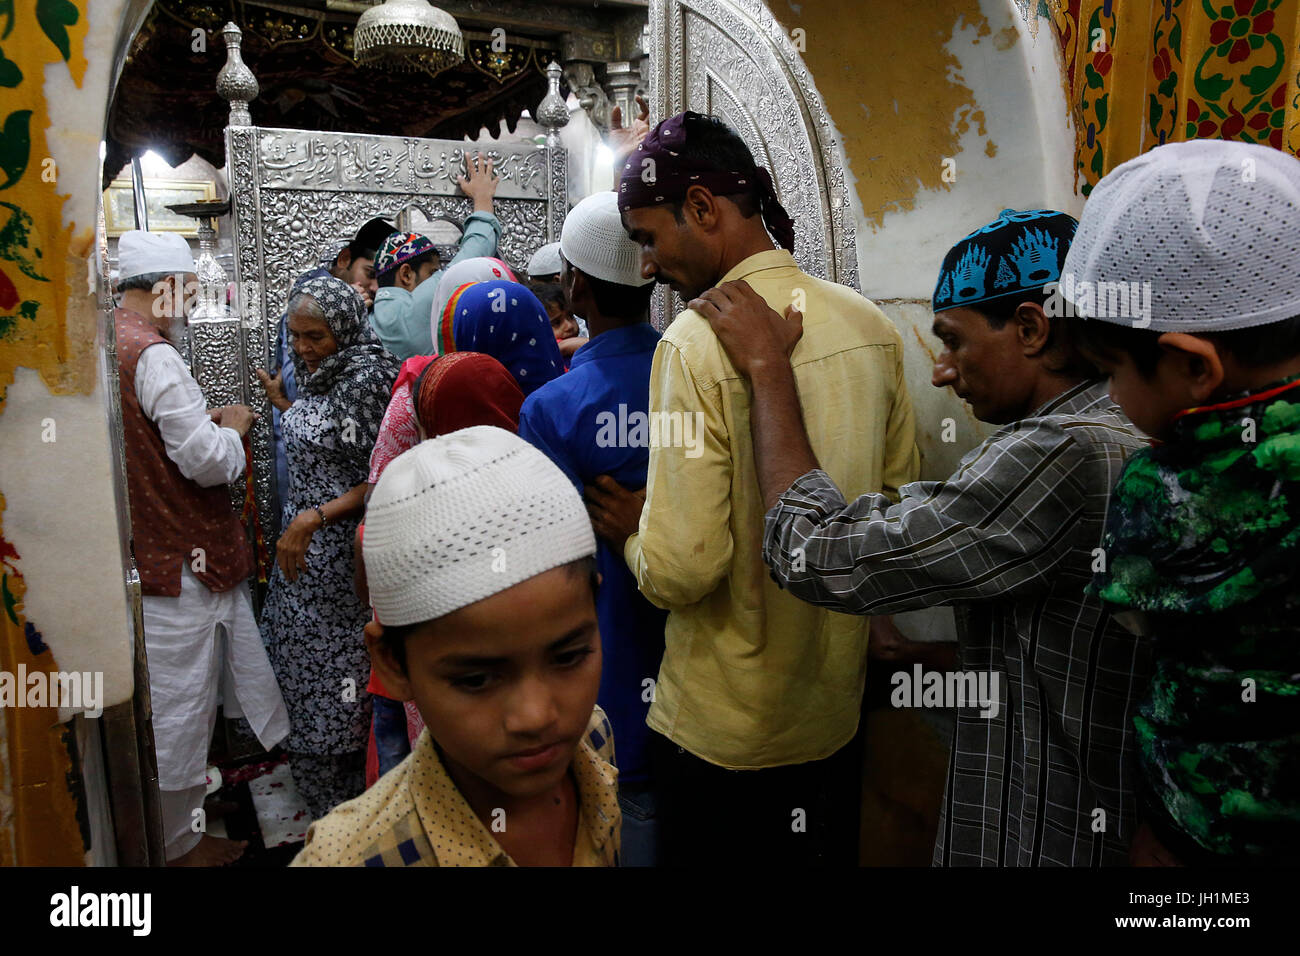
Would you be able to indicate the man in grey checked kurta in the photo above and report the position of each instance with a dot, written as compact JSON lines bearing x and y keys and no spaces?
{"x":1008,"y":541}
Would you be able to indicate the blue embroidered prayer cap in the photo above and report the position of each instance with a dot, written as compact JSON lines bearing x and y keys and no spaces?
{"x":1013,"y":256}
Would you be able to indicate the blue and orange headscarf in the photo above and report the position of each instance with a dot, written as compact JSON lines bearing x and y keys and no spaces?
{"x":453,"y":279}
{"x":506,"y":321}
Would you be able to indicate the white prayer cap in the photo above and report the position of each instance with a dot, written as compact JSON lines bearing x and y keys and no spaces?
{"x":593,"y":240}
{"x":464,"y":516}
{"x":143,"y":253}
{"x":545,"y":261}
{"x":1210,"y":227}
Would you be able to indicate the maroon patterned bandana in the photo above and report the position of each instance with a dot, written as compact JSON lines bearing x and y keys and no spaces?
{"x":657,"y":173}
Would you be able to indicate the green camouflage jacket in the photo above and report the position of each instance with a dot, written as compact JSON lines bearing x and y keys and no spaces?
{"x":1202,"y":551}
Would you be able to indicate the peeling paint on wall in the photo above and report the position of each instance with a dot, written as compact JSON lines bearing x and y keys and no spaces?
{"x":895,"y":56}
{"x":1005,"y":39}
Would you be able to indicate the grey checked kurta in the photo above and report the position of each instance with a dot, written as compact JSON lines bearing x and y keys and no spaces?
{"x":1008,"y":542}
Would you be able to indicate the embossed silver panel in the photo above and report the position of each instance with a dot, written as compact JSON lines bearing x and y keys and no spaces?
{"x":732,"y":59}
{"x":300,"y":194}
{"x":303,"y":159}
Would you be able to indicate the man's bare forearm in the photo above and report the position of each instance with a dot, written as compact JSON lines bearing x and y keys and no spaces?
{"x":782,"y":452}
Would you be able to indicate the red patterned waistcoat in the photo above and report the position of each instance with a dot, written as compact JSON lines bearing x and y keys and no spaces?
{"x":171,"y":515}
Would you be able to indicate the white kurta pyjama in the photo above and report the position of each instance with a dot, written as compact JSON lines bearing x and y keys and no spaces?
{"x":204,"y":647}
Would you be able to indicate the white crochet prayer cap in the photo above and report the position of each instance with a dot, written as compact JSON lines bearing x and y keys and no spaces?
{"x":593,"y":240}
{"x":1212,"y":226}
{"x":545,"y":261}
{"x":142,"y":253}
{"x":459,"y":518}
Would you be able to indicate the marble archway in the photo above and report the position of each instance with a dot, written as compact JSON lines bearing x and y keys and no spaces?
{"x":66,"y":599}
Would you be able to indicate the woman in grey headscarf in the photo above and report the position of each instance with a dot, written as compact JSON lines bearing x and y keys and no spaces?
{"x":312,"y":621}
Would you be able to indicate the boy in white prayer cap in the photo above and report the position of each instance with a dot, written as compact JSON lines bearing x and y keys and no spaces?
{"x":545,"y":266}
{"x":1183,"y":280}
{"x":478,"y":557}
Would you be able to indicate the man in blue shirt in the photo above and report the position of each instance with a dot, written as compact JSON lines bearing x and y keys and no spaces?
{"x":592,"y":421}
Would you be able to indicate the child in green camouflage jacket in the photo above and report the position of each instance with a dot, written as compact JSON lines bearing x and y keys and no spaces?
{"x":1184,"y":279}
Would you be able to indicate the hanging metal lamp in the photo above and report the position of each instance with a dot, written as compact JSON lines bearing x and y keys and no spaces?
{"x":407,"y":36}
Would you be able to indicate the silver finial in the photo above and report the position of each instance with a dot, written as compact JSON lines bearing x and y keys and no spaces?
{"x":236,"y":82}
{"x":553,"y":112}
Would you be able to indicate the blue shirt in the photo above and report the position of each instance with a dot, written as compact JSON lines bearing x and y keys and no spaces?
{"x":584,"y":422}
{"x":396,"y":318}
{"x":402,"y":319}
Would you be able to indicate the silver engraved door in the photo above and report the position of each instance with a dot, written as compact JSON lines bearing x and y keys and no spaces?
{"x":731,"y":59}
{"x":299,"y":195}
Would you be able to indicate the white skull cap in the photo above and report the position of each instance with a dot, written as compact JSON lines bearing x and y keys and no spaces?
{"x":1210,"y":227}
{"x":464,"y":516}
{"x":545,"y":261}
{"x":593,"y":239}
{"x":142,"y":253}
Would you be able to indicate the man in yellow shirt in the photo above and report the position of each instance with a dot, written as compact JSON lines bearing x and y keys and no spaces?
{"x":758,"y":696}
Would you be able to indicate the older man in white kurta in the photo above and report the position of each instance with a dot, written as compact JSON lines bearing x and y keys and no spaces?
{"x":203,"y":643}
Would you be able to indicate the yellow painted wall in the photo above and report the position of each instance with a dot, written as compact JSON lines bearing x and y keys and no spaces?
{"x":884,"y":75}
{"x":61,"y":578}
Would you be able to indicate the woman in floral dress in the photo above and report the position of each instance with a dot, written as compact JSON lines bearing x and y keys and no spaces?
{"x":312,"y":620}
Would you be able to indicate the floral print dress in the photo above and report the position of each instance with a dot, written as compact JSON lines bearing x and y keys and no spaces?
{"x":313,"y":625}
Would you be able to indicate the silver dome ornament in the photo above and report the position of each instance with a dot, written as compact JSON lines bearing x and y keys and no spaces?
{"x":553,"y":111}
{"x":406,"y":36}
{"x":236,"y":82}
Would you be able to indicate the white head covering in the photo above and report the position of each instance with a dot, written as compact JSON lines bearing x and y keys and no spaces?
{"x":144,"y":253}
{"x":459,"y":518}
{"x":475,"y":269}
{"x":1209,"y":229}
{"x":545,"y":261}
{"x":593,"y":240}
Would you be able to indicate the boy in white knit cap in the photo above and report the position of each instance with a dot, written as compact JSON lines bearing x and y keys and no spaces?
{"x":1198,"y":244}
{"x":478,"y":556}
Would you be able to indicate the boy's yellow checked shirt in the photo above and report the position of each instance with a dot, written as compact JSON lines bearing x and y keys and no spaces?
{"x":415,"y":816}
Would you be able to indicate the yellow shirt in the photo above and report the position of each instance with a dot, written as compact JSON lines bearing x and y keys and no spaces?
{"x":752,"y":677}
{"x":415,"y":816}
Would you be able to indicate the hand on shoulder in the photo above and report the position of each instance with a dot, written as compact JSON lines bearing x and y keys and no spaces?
{"x":750,"y":330}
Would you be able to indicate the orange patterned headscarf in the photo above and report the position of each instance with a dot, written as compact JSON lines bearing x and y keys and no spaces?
{"x":463,"y":389}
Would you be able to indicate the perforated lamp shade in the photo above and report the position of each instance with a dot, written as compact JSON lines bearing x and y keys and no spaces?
{"x":408,"y":36}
